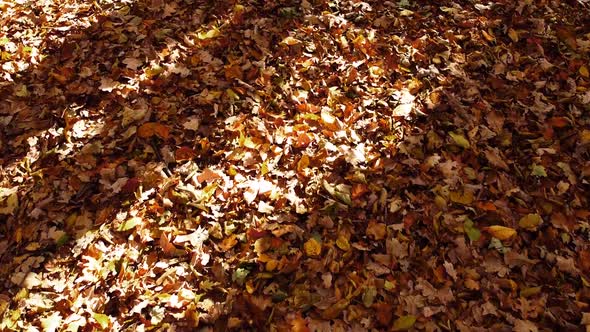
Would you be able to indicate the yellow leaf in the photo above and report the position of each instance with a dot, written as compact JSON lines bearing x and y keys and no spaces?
{"x":530,"y":221}
{"x":465,"y":198}
{"x":130,"y":224}
{"x":501,"y":232}
{"x":271,"y":265}
{"x":303,"y":163}
{"x":209,"y":34}
{"x":290,"y":41}
{"x":460,"y":140}
{"x":343,"y":243}
{"x":585,"y":136}
{"x":488,"y":36}
{"x":530,"y":291}
{"x":11,"y":204}
{"x":312,"y":247}
{"x":584,"y":71}
{"x":404,"y":323}
{"x":513,"y":35}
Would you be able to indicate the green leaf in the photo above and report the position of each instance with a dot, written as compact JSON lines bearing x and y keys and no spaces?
{"x":11,"y":204}
{"x":130,"y":224}
{"x":404,"y":323}
{"x":472,"y":232}
{"x":4,"y":41}
{"x":369,"y":296}
{"x":209,"y":34}
{"x":340,"y":192}
{"x":62,"y":240}
{"x":240,"y":275}
{"x":21,"y":91}
{"x":538,"y":170}
{"x":460,"y":140}
{"x":102,"y":320}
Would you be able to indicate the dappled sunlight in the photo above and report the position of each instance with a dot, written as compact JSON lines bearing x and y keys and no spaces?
{"x":294,"y":165}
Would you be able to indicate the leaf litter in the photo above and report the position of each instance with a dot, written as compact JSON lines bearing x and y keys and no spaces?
{"x":294,"y":165}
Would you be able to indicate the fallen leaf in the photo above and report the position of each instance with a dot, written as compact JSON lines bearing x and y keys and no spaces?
{"x":150,"y":129}
{"x":472,"y":232}
{"x":460,"y":140}
{"x":343,"y":243}
{"x":404,"y":323}
{"x":464,"y":197}
{"x":184,"y":153}
{"x":290,"y":41}
{"x":538,"y":170}
{"x":377,"y":231}
{"x":513,"y":35}
{"x":500,"y":232}
{"x":530,"y":221}
{"x":329,"y":121}
{"x":102,"y":320}
{"x":130,"y":224}
{"x":312,"y":247}
{"x":52,"y":322}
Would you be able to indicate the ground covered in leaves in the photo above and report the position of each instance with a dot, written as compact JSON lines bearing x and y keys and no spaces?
{"x":294,"y":165}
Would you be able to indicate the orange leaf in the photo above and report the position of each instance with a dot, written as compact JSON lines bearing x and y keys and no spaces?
{"x":302,"y":141}
{"x":559,"y":121}
{"x":184,"y":153}
{"x":307,"y":108}
{"x":486,"y":206}
{"x":165,"y":244}
{"x":150,"y":129}
{"x":303,"y":163}
{"x":377,"y":231}
{"x":228,"y":242}
{"x":208,"y":176}
{"x":567,"y":35}
{"x":299,"y":325}
{"x":359,"y":189}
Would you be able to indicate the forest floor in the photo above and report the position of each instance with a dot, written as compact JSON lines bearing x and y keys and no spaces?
{"x":294,"y":165}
